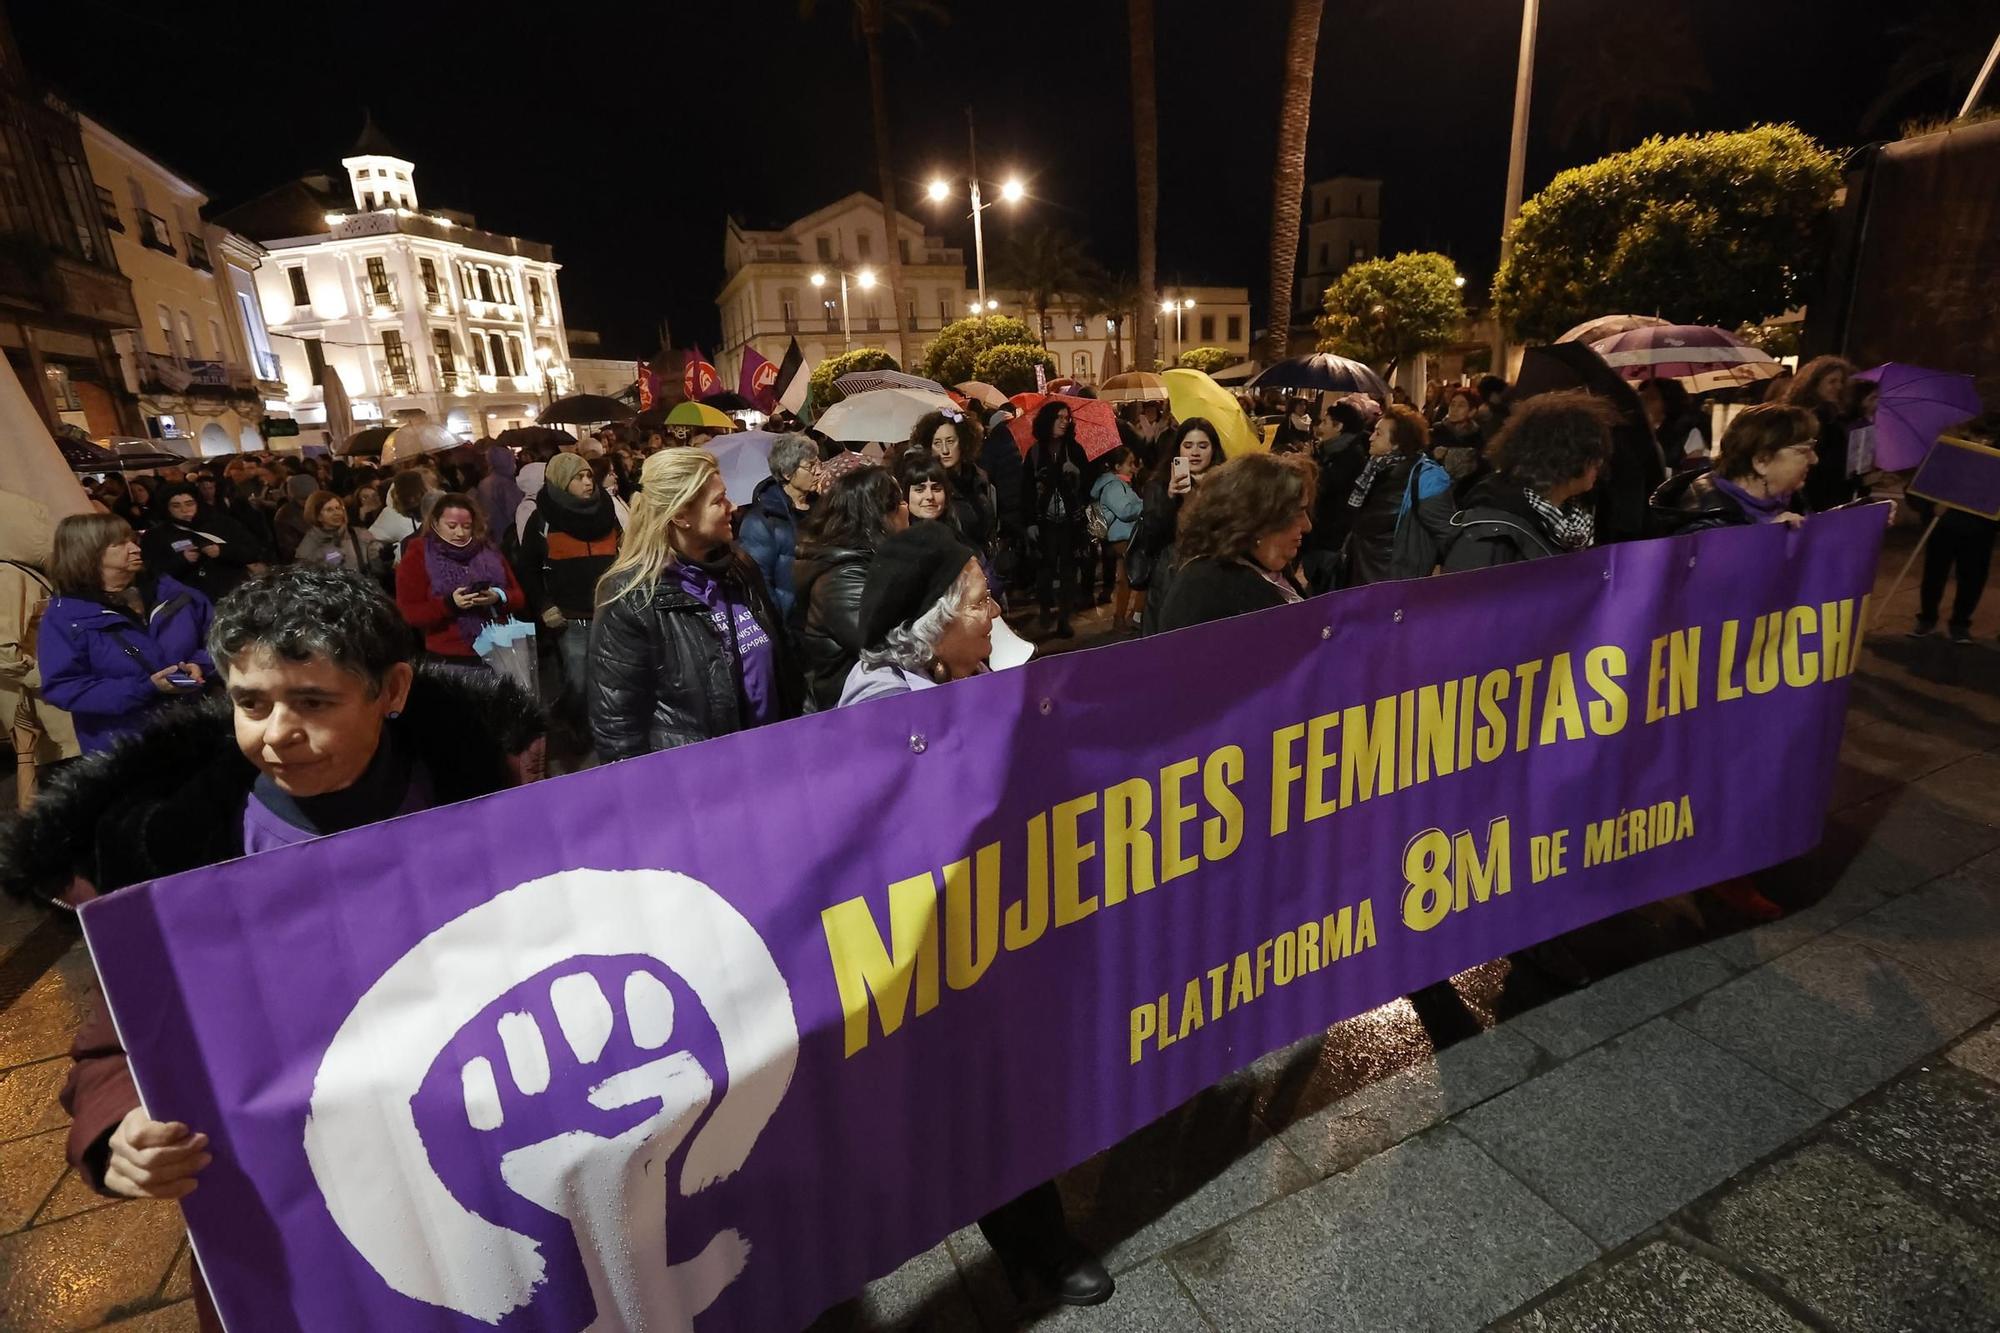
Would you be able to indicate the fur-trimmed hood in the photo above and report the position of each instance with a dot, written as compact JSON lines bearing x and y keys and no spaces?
{"x":170,"y":798}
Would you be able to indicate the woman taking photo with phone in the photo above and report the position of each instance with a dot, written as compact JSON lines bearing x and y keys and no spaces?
{"x":118,"y":640}
{"x":1196,"y":450}
{"x":452,"y":582}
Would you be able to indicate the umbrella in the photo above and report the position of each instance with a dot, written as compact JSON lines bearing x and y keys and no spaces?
{"x":1636,"y":468}
{"x":1731,"y":377}
{"x":131,"y":456}
{"x":520,"y":437}
{"x":1236,"y":374}
{"x":745,"y":460}
{"x":1322,"y":371}
{"x":1562,"y":366}
{"x":1136,"y":386}
{"x":866,"y":381}
{"x":1192,"y":393}
{"x":585,"y":409}
{"x":881,"y":414}
{"x":419,"y":437}
{"x":1064,"y":386}
{"x":1916,"y":406}
{"x":1092,"y":420}
{"x":729,"y":401}
{"x":698,"y":415}
{"x":368,"y":441}
{"x":1605,"y":325}
{"x":983,"y":393}
{"x":1672,"y":351}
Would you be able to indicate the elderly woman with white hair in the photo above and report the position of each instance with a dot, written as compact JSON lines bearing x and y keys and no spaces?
{"x":770,"y":529}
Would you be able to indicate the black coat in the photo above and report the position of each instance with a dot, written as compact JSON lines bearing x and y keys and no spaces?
{"x":661,"y":676}
{"x":215,"y":577}
{"x":171,"y":797}
{"x":1690,"y":502}
{"x":1827,"y":484}
{"x":565,"y":548}
{"x":1497,"y":527}
{"x":1340,"y":462}
{"x":1215,"y":589}
{"x":1153,"y":538}
{"x":1635,"y":472}
{"x":826,"y":618}
{"x":1052,"y":482}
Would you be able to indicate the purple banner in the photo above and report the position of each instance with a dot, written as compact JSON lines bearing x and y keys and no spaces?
{"x":712,"y":1037}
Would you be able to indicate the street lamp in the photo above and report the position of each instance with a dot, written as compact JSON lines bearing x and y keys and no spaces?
{"x":1176,"y":308}
{"x":866,"y":279}
{"x":1011,"y":192}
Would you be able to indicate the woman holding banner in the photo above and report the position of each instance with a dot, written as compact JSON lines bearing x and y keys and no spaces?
{"x":687,"y":643}
{"x":1761,"y":468}
{"x":327,"y":727}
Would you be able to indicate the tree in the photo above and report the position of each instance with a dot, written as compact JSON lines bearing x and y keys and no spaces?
{"x":1146,"y":165}
{"x":824,"y":393}
{"x":1010,"y":367}
{"x":1207,"y":359}
{"x":1387,"y":310}
{"x":1044,"y":263}
{"x":1622,"y":71}
{"x":1720,"y":229}
{"x":1941,"y":51}
{"x":952,"y":354}
{"x":1288,"y":182}
{"x":1118,"y":297}
{"x":871,"y":19}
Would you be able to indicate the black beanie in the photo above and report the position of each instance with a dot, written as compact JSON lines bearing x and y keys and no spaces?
{"x":909,"y":573}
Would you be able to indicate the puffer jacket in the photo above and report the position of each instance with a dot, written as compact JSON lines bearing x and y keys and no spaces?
{"x":97,"y":663}
{"x":770,"y":534}
{"x":1690,"y":502}
{"x":1497,"y":527}
{"x":661,"y":676}
{"x":826,"y":619}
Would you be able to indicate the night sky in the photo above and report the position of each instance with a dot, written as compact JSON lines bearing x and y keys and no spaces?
{"x":624,"y":134}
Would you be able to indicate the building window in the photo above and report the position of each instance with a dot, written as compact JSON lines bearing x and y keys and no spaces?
{"x":296,"y":276}
{"x":1047,"y":327}
{"x":166,"y":330}
{"x":788,"y":302}
{"x":368,"y":201}
{"x":61,"y":392}
{"x":874,"y":324}
{"x":1076,"y":325}
{"x":107,"y":210}
{"x":497,"y":346}
{"x":1208,"y":328}
{"x":1079,"y":363}
{"x":832,"y":315}
{"x":910,"y":304}
{"x":189,"y":347}
{"x":535,"y":300}
{"x":378,"y":280}
{"x":863,"y":244}
{"x":944,"y":307}
{"x":824,"y":245}
{"x":366,"y":173}
{"x":506,"y":281}
{"x":1236,"y":328}
{"x":397,"y":359}
{"x":485,"y":283}
{"x":520,"y":362}
{"x":316,"y":360}
{"x":428,"y":270}
{"x":903,"y":248}
{"x":478,"y":350}
{"x":215,"y":340}
{"x":447,"y":366}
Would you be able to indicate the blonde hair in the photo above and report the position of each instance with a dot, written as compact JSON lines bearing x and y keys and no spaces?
{"x":668,"y":483}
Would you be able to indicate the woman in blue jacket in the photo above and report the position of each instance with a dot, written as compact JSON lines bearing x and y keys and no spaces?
{"x":117,"y":641}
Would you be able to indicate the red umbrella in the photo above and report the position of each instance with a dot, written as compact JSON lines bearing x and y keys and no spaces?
{"x":1094,"y":421}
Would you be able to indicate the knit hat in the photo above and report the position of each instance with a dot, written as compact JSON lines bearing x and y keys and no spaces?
{"x":909,"y":573}
{"x":561,"y":470}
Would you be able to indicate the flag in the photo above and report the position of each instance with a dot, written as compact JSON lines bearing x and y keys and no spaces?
{"x":698,"y":377}
{"x":794,"y":380}
{"x":757,"y":380}
{"x":649,"y":386}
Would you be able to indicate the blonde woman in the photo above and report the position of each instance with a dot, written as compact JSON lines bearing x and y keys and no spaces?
{"x":687,"y":642}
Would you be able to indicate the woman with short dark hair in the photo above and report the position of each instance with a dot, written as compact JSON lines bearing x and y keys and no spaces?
{"x":1239,"y":540}
{"x":955,"y":439}
{"x":1547,"y":459}
{"x":1761,"y":466}
{"x":118,"y":639}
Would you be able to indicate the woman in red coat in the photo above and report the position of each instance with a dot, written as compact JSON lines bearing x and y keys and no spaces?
{"x":453,"y":581}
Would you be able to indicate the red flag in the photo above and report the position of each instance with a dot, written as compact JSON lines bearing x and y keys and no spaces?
{"x":649,"y":387}
{"x":759,"y":381}
{"x":698,"y":377}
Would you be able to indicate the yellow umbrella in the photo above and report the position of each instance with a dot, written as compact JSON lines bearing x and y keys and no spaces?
{"x":1191,"y":393}
{"x":692,"y":413}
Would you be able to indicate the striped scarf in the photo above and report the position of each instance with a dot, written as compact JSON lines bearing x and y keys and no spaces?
{"x":1572,"y":526}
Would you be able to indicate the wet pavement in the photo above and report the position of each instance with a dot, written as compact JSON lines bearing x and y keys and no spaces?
{"x":1740,"y":1125}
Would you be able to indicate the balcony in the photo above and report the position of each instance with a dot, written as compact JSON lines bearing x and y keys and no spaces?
{"x":378,"y":299}
{"x":107,"y":210}
{"x":268,"y":367}
{"x":437,"y":301}
{"x":154,"y":233}
{"x":395,"y":377}
{"x":197,"y":249}
{"x":184,"y":376}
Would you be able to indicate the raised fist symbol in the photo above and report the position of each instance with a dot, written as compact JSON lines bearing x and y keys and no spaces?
{"x":589,"y":931}
{"x":612,"y":1188}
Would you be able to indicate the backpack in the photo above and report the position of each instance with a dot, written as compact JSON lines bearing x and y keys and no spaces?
{"x":1097,"y":521}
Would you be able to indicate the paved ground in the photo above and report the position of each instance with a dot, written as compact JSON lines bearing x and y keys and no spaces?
{"x":1782,"y":1126}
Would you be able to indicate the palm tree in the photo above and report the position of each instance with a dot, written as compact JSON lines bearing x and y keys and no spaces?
{"x":1044,"y":263}
{"x":1946,"y":44}
{"x":871,"y":19}
{"x":1118,"y":297}
{"x":1623,"y":74}
{"x":1288,"y":186}
{"x":1146,"y":164}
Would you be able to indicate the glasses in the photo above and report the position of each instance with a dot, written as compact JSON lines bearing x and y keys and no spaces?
{"x":1810,"y":448}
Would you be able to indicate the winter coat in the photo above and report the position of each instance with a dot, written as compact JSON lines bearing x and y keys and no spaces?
{"x":1691,"y":502}
{"x":564,"y":551}
{"x":1827,"y":484}
{"x":1153,"y":539}
{"x":1340,"y":462}
{"x":1052,"y":491}
{"x":25,"y":593}
{"x":1212,"y":588}
{"x":356,"y":549}
{"x":1121,"y":502}
{"x":662,"y":676}
{"x":1409,"y":490}
{"x":975,"y":509}
{"x":770,"y":535}
{"x":826,"y":618}
{"x":431,"y":615}
{"x":213,"y":576}
{"x":1623,"y":492}
{"x":172,"y":799}
{"x":1497,"y":527}
{"x":98,"y":662}
{"x":1000,"y":460}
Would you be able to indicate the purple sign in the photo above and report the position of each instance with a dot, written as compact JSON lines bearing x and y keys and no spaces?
{"x":710,"y":1038}
{"x":1963,"y":474}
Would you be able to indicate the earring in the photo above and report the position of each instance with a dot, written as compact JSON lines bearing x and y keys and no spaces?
{"x":395,"y":713}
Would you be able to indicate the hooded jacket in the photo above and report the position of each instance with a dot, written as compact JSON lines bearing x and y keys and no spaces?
{"x":98,"y":662}
{"x":1497,"y":527}
{"x":770,"y":536}
{"x":25,"y":593}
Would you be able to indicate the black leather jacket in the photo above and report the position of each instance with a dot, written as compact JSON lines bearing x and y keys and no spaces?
{"x":661,"y":676}
{"x":826,"y":618}
{"x":1689,"y":502}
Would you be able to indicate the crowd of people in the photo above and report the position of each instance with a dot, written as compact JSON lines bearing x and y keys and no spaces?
{"x":330,"y":620}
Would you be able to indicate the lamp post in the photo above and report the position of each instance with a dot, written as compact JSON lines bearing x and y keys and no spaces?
{"x":1517,"y":161}
{"x":1012,"y":191}
{"x":866,"y":279}
{"x":1176,"y":308}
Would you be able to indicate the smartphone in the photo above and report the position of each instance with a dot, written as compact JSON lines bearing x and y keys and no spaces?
{"x":181,"y":681}
{"x":1180,"y":467}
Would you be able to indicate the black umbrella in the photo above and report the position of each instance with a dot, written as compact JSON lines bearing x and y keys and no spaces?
{"x":1637,"y":466}
{"x":1322,"y":371}
{"x":368,"y":441}
{"x":520,"y":437}
{"x":136,"y":456}
{"x":585,"y":409}
{"x":729,"y":402}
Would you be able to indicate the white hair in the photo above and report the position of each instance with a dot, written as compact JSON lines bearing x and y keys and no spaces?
{"x":913,"y":647}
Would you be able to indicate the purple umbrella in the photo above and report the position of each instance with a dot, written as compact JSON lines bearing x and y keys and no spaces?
{"x":1915,"y":407}
{"x":1680,"y":351}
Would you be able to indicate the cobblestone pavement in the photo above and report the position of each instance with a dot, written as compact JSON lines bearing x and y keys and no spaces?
{"x":1740,"y":1126}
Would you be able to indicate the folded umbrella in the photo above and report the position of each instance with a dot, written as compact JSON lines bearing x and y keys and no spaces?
{"x":1916,"y":406}
{"x":1321,"y":371}
{"x":1192,"y":393}
{"x":1093,"y":421}
{"x":882,"y":414}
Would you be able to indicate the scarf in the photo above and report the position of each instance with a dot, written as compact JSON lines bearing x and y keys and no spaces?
{"x":473,"y":565}
{"x":1572,"y":526}
{"x":1376,"y":465}
{"x":1760,"y":508}
{"x":586,"y":520}
{"x":714,"y":583}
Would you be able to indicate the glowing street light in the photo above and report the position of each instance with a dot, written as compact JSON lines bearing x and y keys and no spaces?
{"x":865,"y":278}
{"x":1177,"y":309}
{"x":1012,"y":191}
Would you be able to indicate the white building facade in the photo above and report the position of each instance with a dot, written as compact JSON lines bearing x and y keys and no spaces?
{"x":418,"y":311}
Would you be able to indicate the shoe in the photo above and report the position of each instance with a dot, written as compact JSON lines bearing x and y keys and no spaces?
{"x":1078,"y":1279}
{"x":1961,"y":634}
{"x":1925,"y":628}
